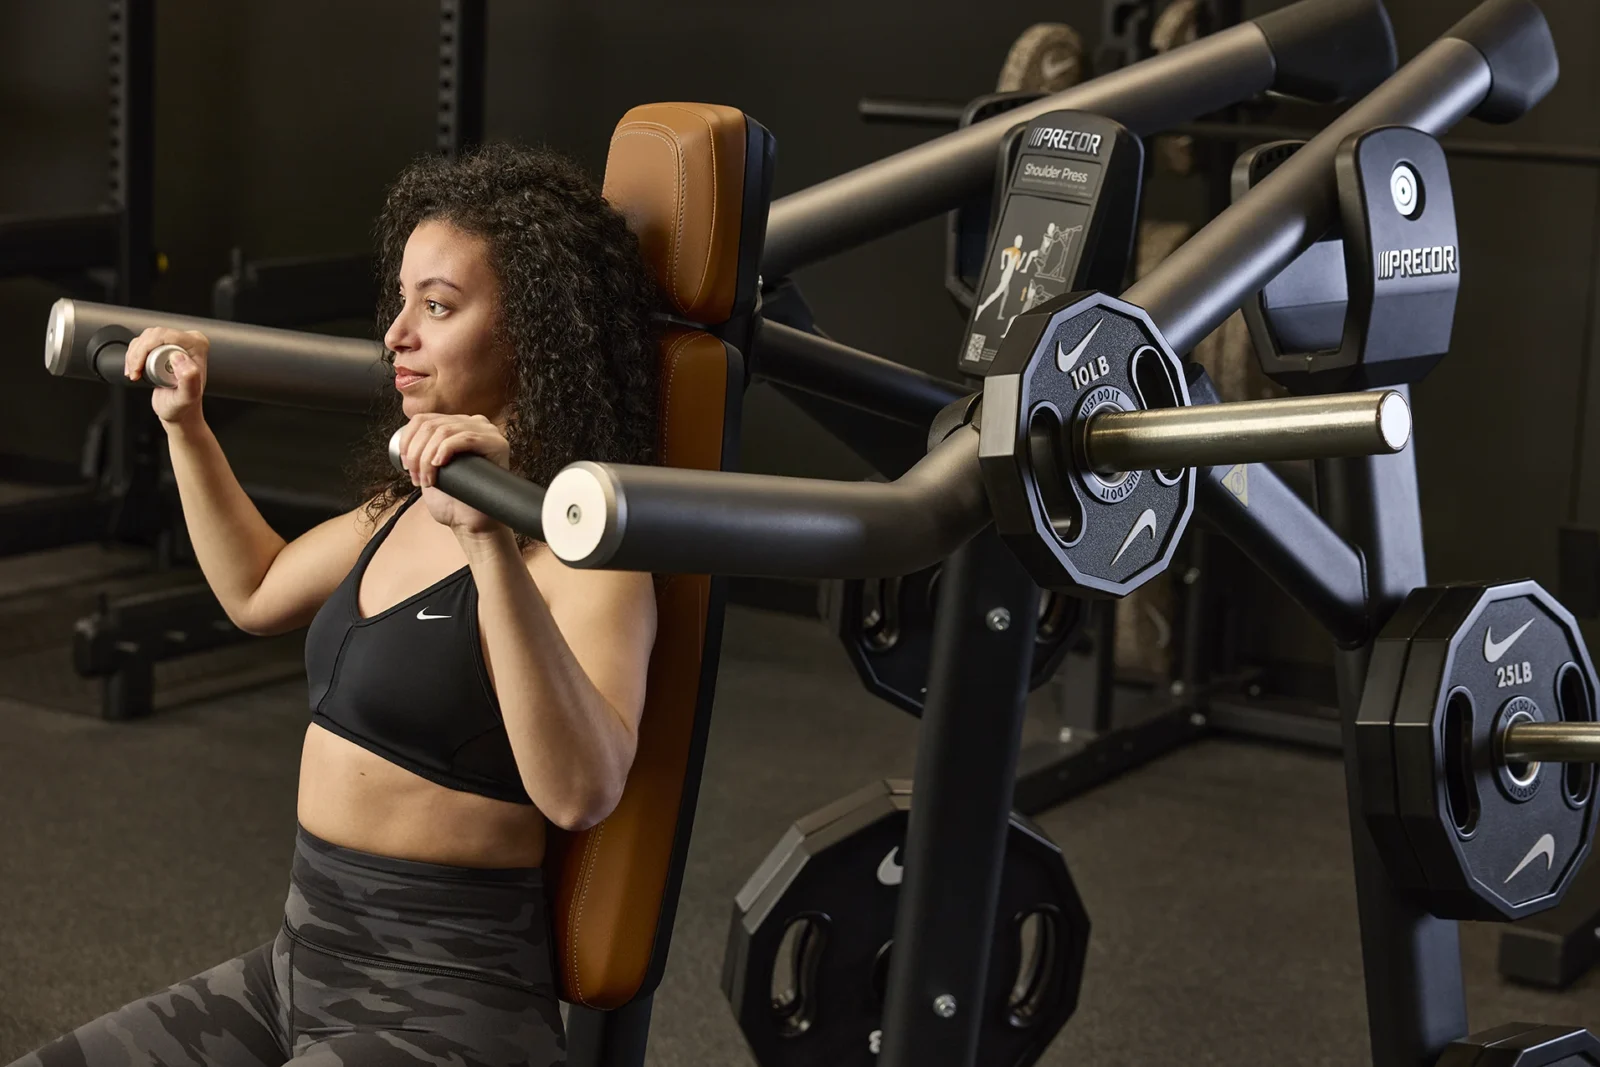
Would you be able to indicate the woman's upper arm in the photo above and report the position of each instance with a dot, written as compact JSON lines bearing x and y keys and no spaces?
{"x":608,"y":619}
{"x":305,"y":573}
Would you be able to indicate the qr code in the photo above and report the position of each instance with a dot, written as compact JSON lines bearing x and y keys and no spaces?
{"x":975,"y":347}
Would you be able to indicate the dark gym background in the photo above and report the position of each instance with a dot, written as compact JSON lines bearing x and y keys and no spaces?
{"x":278,"y":125}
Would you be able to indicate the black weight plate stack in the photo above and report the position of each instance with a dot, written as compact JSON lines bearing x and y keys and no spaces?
{"x":1524,"y":1045}
{"x":1386,"y":672}
{"x":886,"y":628}
{"x":1474,"y":836}
{"x":807,"y":963}
{"x":1060,"y":364}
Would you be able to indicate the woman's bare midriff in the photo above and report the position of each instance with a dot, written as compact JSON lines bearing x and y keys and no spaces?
{"x":356,"y":798}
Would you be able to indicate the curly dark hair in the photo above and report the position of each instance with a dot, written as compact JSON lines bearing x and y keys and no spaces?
{"x":575,"y":299}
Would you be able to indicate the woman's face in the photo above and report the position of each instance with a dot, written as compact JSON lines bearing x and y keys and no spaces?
{"x":446,"y":360}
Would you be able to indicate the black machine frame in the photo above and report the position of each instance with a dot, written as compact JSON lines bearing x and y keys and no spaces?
{"x":1365,"y":555}
{"x":110,"y":250}
{"x":302,"y":291}
{"x":1349,"y":562}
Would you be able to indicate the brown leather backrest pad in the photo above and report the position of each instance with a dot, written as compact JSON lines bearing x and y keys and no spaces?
{"x":677,"y":172}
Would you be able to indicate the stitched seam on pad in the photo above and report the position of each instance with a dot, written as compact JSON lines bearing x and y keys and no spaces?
{"x":672,"y":372}
{"x":590,"y":852}
{"x":705,"y":267}
{"x":665,"y":133}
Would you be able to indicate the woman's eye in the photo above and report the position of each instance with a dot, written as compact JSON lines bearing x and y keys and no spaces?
{"x":435,"y":308}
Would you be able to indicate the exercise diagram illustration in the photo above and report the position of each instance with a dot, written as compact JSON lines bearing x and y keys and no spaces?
{"x":1047,"y":263}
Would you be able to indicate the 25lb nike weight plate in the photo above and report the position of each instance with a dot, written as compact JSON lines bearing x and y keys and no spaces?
{"x":1473,"y":831}
{"x":1078,"y":530}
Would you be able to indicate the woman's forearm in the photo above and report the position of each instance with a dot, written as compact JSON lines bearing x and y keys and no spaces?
{"x":232,"y":542}
{"x":572,"y":747}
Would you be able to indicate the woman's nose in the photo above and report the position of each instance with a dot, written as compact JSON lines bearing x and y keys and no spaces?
{"x":400,"y":336}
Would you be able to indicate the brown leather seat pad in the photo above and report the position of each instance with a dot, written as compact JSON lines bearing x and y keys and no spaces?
{"x":613,"y":876}
{"x":676,"y":171}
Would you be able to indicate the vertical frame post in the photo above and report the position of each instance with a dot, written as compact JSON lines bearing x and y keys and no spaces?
{"x":461,"y":76}
{"x":129,"y":478}
{"x":1416,"y":1000}
{"x":955,"y":847}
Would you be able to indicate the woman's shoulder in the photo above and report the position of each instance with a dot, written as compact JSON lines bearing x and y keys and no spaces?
{"x":372,"y":514}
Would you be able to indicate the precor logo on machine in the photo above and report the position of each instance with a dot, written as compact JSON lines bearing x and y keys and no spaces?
{"x":1417,"y":262}
{"x":1064,"y":140}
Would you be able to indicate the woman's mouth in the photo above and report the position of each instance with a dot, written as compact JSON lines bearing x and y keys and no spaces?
{"x":404,"y":376}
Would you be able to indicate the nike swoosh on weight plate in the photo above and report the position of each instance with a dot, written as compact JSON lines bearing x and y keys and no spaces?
{"x":1546,"y":847}
{"x":1493,"y":650}
{"x":1065,"y":360}
{"x":1051,"y":70}
{"x":1147,"y":521}
{"x":891,"y":872}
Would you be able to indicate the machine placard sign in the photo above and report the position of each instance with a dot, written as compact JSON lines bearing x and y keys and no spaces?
{"x":1066,"y":220}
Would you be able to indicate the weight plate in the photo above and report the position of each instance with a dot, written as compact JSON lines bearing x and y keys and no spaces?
{"x":1523,"y":1045}
{"x":1375,"y":736}
{"x":886,"y":628}
{"x":1046,"y":57}
{"x":1078,"y":531}
{"x":807,"y":961}
{"x":1493,"y":841}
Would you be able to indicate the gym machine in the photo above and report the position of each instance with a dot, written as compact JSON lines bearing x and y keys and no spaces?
{"x":799,"y":358}
{"x":1209,"y":692}
{"x":1036,"y":477}
{"x":883,"y":400}
{"x":1030,"y":465}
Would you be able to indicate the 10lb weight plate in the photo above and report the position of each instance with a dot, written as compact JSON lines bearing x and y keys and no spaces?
{"x":1079,"y":530}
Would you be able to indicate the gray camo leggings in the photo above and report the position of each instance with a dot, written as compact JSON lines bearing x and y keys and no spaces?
{"x":379,"y":962}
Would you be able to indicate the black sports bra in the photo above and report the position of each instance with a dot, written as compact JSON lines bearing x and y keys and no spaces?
{"x":410,"y":684}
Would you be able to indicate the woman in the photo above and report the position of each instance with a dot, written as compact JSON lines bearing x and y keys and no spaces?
{"x":465,"y":686}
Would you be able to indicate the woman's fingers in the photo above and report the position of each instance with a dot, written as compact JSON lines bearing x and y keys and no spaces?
{"x":138,"y":350}
{"x":196,"y":347}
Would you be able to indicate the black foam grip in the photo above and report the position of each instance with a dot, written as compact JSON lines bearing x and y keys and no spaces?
{"x":1330,"y":50}
{"x":1515,"y":40}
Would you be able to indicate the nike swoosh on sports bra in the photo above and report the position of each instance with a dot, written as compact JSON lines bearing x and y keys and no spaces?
{"x":410,"y":684}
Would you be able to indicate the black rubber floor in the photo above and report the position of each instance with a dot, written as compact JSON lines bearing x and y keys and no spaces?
{"x":1218,"y":880}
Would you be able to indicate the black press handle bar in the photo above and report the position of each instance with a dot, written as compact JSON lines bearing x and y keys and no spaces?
{"x":1324,"y":50}
{"x":1497,"y":62}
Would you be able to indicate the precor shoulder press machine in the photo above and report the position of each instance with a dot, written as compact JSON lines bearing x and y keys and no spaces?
{"x":879,"y":408}
{"x":1430,"y":830}
{"x":1042,"y":461}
